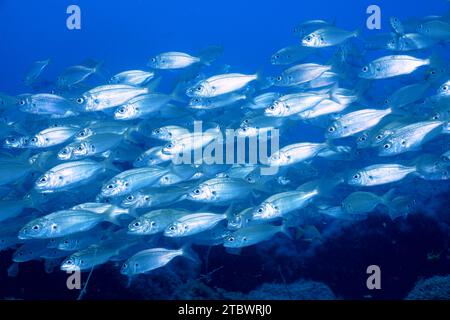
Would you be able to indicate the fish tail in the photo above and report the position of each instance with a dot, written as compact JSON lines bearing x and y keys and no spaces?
{"x":284,"y":228}
{"x":187,"y":252}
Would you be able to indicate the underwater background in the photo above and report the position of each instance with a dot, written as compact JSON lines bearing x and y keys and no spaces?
{"x":412,"y":251}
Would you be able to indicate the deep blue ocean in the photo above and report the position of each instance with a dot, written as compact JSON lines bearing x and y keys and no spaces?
{"x":123,"y":35}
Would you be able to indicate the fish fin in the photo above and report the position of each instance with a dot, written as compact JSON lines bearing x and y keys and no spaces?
{"x":153,"y":84}
{"x":178,"y":94}
{"x":284,"y":228}
{"x":388,"y":196}
{"x":190,"y":254}
{"x":230,"y":212}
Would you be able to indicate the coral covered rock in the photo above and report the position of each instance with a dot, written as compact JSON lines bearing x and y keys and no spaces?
{"x":434,"y":288}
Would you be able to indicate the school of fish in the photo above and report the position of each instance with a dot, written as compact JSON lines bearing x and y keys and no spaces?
{"x":88,"y":173}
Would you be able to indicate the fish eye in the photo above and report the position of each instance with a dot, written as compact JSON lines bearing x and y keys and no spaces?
{"x":157,"y":131}
{"x":387,"y":146}
{"x":122,"y":110}
{"x":356,"y":176}
{"x":64,"y":151}
{"x":33,"y":139}
{"x":272,"y":107}
{"x":110,"y":186}
{"x":80,"y":100}
{"x":277,"y":56}
{"x":363,"y":138}
{"x":12,"y":139}
{"x":129,"y":198}
{"x":170,"y":145}
{"x":137,"y":224}
{"x":365,"y":69}
{"x":279,"y":78}
{"x":199,"y":88}
{"x":331,"y":129}
{"x":172,"y":228}
{"x":43,"y":179}
{"x":124,"y":266}
{"x":260,"y":210}
{"x":231,"y":239}
{"x":244,"y":129}
{"x":197,"y":191}
{"x":80,"y":148}
{"x":35,"y":227}
{"x":22,"y":102}
{"x":308,"y":38}
{"x":445,"y":88}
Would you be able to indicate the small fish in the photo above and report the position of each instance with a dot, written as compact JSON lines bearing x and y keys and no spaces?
{"x":220,"y":191}
{"x":194,"y":223}
{"x":354,"y":122}
{"x":101,"y":127}
{"x":327,"y":37}
{"x":109,"y":96}
{"x":295,"y":153}
{"x":220,"y":84}
{"x":410,"y":137}
{"x":280,"y":204}
{"x":407,"y":95}
{"x":64,"y":222}
{"x":300,"y":74}
{"x":74,"y":75}
{"x":69,"y":175}
{"x":151,"y":259}
{"x":132,"y":77}
{"x":361,"y":202}
{"x":291,"y":54}
{"x":35,"y":71}
{"x":293,"y":103}
{"x":142,"y":106}
{"x":132,"y":180}
{"x":48,"y":104}
{"x":52,"y":137}
{"x":435,"y":29}
{"x":379,"y":174}
{"x":172,"y":60}
{"x":249,"y":236}
{"x":96,"y":254}
{"x":392,"y":66}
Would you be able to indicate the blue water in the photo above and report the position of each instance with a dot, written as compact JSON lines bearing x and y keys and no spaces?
{"x":124,"y":35}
